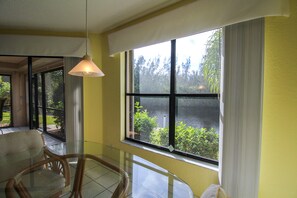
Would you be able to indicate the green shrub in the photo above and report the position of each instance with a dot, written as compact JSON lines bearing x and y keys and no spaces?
{"x":58,"y":115}
{"x":143,"y":123}
{"x":197,"y":141}
{"x":4,"y":89}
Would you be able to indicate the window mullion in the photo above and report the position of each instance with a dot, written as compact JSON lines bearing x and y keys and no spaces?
{"x":172,"y":95}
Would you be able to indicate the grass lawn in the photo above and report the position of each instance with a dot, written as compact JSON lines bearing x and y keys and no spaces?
{"x":6,"y":119}
{"x":49,"y":119}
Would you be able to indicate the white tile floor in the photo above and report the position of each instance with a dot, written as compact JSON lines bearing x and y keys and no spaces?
{"x":12,"y":129}
{"x":97,"y":182}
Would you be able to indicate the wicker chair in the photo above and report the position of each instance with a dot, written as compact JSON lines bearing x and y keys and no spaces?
{"x":26,"y":165}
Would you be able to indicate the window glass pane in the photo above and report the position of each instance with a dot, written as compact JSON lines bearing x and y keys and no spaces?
{"x":197,"y":126}
{"x":34,"y":118}
{"x":150,"y":70}
{"x":197,"y":73}
{"x":55,"y":122}
{"x":40,"y":125}
{"x":148,"y":119}
{"x":198,"y":63}
{"x":39,"y":82}
{"x":5,"y":96}
{"x":54,"y":90}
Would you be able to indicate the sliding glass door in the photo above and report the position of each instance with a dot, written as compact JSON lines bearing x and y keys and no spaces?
{"x":48,"y":109}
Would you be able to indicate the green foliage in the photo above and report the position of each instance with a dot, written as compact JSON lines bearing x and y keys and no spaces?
{"x":152,"y":75}
{"x":160,"y":137}
{"x":54,"y":88}
{"x":197,"y":141}
{"x":5,"y":94}
{"x":59,"y":115}
{"x":211,"y":63}
{"x":58,"y":88}
{"x":55,"y":97}
{"x":143,"y":123}
{"x":4,"y":89}
{"x":6,"y":119}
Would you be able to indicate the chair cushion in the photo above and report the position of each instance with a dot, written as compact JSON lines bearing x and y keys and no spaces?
{"x":211,"y":192}
{"x":18,"y":150}
{"x":12,"y":164}
{"x":16,"y":142}
{"x":214,"y":191}
{"x":43,"y":183}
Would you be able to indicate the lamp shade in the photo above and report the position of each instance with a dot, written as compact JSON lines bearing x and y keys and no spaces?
{"x":86,"y":68}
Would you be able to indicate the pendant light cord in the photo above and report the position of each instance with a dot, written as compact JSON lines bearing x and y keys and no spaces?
{"x":87,"y":33}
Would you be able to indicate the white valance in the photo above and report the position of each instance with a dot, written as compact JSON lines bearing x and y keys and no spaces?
{"x":28,"y":45}
{"x":193,"y":18}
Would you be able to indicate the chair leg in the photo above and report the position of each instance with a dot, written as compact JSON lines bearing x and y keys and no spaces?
{"x":79,"y":174}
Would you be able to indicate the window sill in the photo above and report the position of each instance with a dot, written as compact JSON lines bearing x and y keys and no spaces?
{"x":173,"y":156}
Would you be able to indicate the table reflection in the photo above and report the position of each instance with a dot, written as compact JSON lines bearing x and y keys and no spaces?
{"x":147,"y":180}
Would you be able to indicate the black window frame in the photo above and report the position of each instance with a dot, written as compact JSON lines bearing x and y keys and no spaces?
{"x":172,"y":96}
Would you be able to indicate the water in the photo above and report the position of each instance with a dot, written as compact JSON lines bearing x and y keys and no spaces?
{"x":203,"y":113}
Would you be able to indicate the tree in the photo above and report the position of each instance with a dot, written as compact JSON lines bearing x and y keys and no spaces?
{"x":137,"y":69}
{"x":4,"y":89}
{"x":57,"y":96}
{"x":186,"y":66}
{"x":57,"y":85}
{"x":152,"y":75}
{"x":211,"y":63}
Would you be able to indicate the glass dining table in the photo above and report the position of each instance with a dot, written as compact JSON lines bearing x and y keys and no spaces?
{"x":92,"y":179}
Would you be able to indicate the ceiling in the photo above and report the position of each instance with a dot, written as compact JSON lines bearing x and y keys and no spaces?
{"x":10,"y":64}
{"x":69,"y":15}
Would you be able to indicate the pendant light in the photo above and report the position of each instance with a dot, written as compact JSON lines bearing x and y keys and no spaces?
{"x":86,"y":67}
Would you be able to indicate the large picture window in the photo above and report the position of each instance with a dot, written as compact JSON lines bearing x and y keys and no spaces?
{"x":172,"y":95}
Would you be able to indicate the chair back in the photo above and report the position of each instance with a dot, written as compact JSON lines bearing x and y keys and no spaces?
{"x":46,"y":178}
{"x":19,"y":150}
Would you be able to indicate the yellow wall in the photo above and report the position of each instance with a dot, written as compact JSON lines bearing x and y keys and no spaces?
{"x":278,"y":175}
{"x":93,"y":108}
{"x":103,"y":98}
